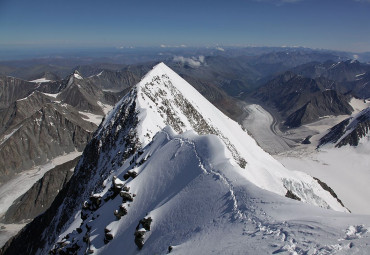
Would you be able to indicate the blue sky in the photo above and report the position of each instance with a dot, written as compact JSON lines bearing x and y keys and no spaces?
{"x":330,"y":24}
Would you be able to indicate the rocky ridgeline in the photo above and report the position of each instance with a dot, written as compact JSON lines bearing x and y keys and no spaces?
{"x":79,"y":239}
{"x":350,"y":131}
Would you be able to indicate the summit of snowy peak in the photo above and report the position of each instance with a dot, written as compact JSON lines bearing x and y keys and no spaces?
{"x":162,"y":98}
{"x":77,"y":75}
{"x":167,"y":168}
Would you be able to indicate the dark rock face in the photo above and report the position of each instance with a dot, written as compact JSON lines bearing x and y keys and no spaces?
{"x":12,"y":89}
{"x":291,"y":195}
{"x":38,"y":127}
{"x":51,"y":76}
{"x":48,"y":133}
{"x":302,"y":100}
{"x":119,"y":80}
{"x":84,"y":95}
{"x":141,"y":229}
{"x":90,"y":172}
{"x":349,"y":76}
{"x":38,"y":199}
{"x":349,"y":131}
{"x":20,"y":110}
{"x":224,"y":102}
{"x":307,"y":140}
{"x":330,"y":190}
{"x":342,"y":71}
{"x":361,"y":130}
{"x":361,"y":86}
{"x":335,"y":133}
{"x":324,"y":103}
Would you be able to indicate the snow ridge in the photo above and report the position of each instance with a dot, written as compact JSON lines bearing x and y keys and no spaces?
{"x":163,"y":98}
{"x":163,"y":167}
{"x":209,"y":170}
{"x":184,"y":191}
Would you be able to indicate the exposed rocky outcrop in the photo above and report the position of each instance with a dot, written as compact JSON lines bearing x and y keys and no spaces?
{"x":350,"y":131}
{"x":85,"y":95}
{"x":47,"y":75}
{"x":12,"y":89}
{"x":22,"y":109}
{"x":119,"y":80}
{"x":339,"y":71}
{"x":350,"y":76}
{"x":328,"y":102}
{"x":50,"y":132}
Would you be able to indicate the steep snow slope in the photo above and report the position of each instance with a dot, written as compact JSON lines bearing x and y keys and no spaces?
{"x":188,"y":196}
{"x":164,"y":98}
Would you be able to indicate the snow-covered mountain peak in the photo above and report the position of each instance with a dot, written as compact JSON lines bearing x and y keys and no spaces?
{"x":175,"y":191}
{"x":165,"y":169}
{"x":162,"y":98}
{"x":77,"y":75}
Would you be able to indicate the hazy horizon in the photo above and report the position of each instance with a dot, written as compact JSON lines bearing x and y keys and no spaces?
{"x":341,"y":26}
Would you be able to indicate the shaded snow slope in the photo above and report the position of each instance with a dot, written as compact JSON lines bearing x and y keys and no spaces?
{"x":189,"y":196}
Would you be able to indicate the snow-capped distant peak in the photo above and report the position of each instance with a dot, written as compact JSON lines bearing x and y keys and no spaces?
{"x":73,"y":76}
{"x":41,"y":80}
{"x":77,"y":75}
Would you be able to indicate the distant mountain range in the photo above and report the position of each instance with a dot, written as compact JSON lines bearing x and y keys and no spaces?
{"x":48,"y":117}
{"x":349,"y":76}
{"x":302,"y":100}
{"x":41,"y":120}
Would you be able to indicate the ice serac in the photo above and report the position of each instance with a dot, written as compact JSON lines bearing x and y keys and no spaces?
{"x":163,"y":148}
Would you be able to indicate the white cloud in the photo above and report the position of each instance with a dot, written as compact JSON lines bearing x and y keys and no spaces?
{"x":280,"y":2}
{"x":173,"y":46}
{"x":220,"y":49}
{"x":193,"y":61}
